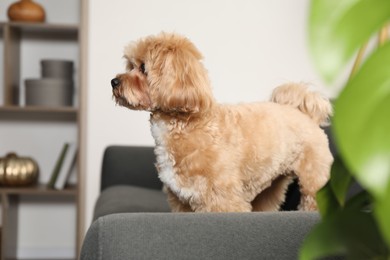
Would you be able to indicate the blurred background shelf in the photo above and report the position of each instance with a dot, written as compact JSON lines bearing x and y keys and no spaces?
{"x":43,"y":27}
{"x":40,"y":131}
{"x":39,"y":189}
{"x":38,"y":113}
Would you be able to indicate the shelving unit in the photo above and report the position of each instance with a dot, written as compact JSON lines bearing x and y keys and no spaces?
{"x":10,"y":198}
{"x":12,"y":35}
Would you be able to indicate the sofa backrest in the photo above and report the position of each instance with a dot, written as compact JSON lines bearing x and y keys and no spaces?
{"x":132,"y":165}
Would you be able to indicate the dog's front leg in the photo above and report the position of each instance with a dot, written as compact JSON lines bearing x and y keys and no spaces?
{"x":220,"y":200}
{"x":175,"y":203}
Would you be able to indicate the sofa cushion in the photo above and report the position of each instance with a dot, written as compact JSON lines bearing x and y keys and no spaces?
{"x":126,"y":198}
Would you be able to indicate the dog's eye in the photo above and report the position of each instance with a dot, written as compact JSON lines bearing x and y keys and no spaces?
{"x":142,"y":68}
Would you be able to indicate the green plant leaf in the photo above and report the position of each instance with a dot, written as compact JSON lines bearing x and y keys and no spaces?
{"x":338,"y":28}
{"x":362,"y":129}
{"x":340,"y":180}
{"x":382,"y":213}
{"x":327,"y":201}
{"x":362,"y":123}
{"x":349,"y":232}
{"x":331,"y":198}
{"x":360,"y":201}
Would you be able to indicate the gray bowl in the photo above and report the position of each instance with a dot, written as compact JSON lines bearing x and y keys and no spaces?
{"x":57,"y":69}
{"x":49,"y":92}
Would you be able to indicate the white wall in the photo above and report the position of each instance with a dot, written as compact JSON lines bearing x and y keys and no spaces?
{"x":250,"y":47}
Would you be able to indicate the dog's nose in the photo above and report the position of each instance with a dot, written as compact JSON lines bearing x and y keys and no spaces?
{"x":115,"y":82}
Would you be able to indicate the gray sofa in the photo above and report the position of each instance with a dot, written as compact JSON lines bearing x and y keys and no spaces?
{"x":132,"y":220}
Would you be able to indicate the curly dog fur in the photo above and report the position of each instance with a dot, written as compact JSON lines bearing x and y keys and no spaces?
{"x":215,"y":157}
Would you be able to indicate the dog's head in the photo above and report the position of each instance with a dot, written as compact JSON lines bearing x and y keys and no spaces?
{"x":164,"y":73}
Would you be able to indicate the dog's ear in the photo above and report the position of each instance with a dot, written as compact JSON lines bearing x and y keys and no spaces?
{"x":184,"y":85}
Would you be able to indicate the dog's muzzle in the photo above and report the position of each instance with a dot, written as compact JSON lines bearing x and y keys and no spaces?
{"x":115,"y":82}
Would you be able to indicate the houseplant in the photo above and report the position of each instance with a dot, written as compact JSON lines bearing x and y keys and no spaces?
{"x":358,"y":226}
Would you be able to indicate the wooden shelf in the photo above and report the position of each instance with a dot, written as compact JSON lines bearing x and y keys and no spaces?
{"x":39,"y":189}
{"x":36,"y":113}
{"x":38,"y":109}
{"x":43,"y":26}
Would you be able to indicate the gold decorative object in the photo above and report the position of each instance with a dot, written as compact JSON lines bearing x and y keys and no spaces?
{"x":26,"y":11}
{"x":18,"y":171}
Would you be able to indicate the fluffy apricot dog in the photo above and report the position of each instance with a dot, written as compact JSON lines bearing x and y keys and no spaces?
{"x":215,"y":157}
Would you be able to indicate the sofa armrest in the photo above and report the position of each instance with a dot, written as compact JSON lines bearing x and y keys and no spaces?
{"x":264,"y":235}
{"x":129,"y":165}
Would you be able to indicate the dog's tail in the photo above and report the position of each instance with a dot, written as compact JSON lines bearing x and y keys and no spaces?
{"x":308,"y":102}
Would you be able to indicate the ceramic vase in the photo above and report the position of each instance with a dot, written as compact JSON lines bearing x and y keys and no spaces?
{"x":26,"y":11}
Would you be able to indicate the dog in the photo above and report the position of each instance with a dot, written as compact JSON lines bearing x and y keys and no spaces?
{"x":215,"y":157}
